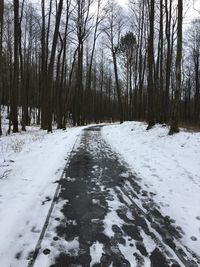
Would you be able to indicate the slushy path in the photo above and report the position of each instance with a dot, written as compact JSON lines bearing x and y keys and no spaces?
{"x":103,"y":217}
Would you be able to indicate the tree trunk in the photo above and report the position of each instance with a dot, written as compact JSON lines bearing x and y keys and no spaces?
{"x":197,"y":93}
{"x":176,"y":102}
{"x":151,"y":112}
{"x":121,"y":113}
{"x":23,"y":86}
{"x":161,"y":80}
{"x":43,"y":72}
{"x":58,"y":88}
{"x":89,"y":76}
{"x":169,"y":58}
{"x":15,"y":86}
{"x":51,"y":64}
{"x":1,"y":41}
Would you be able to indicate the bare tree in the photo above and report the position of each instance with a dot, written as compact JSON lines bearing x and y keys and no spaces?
{"x":113,"y":30}
{"x":81,"y":19}
{"x":196,"y":60}
{"x":176,"y":101}
{"x":1,"y":41}
{"x":62,"y":104}
{"x":96,"y":34}
{"x":44,"y":62}
{"x":151,"y":96}
{"x":15,"y":85}
{"x":128,"y":52}
{"x":51,"y":63}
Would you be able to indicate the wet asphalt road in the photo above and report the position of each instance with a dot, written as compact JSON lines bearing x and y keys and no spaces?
{"x":105,"y":204}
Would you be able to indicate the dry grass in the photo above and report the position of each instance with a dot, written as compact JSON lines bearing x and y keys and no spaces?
{"x":190,"y":127}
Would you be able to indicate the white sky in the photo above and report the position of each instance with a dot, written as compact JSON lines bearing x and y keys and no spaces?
{"x":190,"y":6}
{"x":190,"y":12}
{"x":193,"y":11}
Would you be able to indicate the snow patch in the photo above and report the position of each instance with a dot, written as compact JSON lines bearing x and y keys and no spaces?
{"x":96,"y":251}
{"x":30,"y":165}
{"x":168,"y":166}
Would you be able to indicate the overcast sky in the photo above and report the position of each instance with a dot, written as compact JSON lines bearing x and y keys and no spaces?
{"x":190,"y":6}
{"x":192,"y":9}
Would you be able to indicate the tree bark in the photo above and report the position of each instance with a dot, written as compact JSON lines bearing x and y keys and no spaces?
{"x":51,"y":64}
{"x":121,"y":113}
{"x":176,"y":102}
{"x":169,"y":58}
{"x":15,"y":86}
{"x":43,"y":71}
{"x":151,"y":112}
{"x":1,"y":41}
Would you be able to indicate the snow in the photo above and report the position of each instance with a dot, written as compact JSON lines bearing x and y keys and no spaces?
{"x":111,"y":217}
{"x":168,"y":166}
{"x":30,"y":165}
{"x":128,"y":251}
{"x":96,"y":251}
{"x":58,"y":245}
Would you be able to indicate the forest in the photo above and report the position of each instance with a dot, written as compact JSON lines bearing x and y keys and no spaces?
{"x":89,"y":61}
{"x":99,"y":133}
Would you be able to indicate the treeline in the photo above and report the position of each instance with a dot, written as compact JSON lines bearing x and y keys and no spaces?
{"x":82,"y":61}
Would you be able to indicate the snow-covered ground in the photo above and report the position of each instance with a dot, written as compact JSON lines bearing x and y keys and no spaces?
{"x":168,"y":166}
{"x":30,"y":164}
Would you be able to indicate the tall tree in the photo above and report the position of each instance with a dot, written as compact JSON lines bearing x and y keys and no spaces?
{"x":161,"y":72}
{"x":82,"y":18}
{"x":62,"y":98}
{"x":44,"y":63}
{"x":51,"y":64}
{"x":127,"y":49}
{"x":168,"y":13}
{"x":113,"y":31}
{"x":23,"y":89}
{"x":196,"y":60}
{"x":89,"y":72}
{"x":141,"y":59}
{"x":174,"y":128}
{"x":151,"y":111}
{"x":1,"y":41}
{"x":15,"y":85}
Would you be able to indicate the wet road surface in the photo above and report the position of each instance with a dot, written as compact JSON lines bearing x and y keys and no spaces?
{"x":103,"y":217}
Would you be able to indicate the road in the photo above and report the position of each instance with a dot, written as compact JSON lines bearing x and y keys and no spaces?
{"x":103,"y":217}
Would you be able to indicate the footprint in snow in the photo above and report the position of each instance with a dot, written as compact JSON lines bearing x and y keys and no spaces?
{"x":193,"y":238}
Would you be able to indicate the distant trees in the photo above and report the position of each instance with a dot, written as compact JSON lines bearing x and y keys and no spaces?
{"x":78,"y":61}
{"x":159,"y":23}
{"x":196,"y":64}
{"x":128,"y":52}
{"x":190,"y":108}
{"x":139,"y":27}
{"x":81,"y":18}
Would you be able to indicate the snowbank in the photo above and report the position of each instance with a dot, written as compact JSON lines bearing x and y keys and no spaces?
{"x":168,"y":166}
{"x":30,"y":164}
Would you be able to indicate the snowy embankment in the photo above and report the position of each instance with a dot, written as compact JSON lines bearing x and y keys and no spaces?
{"x":168,"y":166}
{"x":30,"y":164}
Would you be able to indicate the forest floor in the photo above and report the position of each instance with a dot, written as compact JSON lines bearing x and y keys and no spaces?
{"x":127,"y":197}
